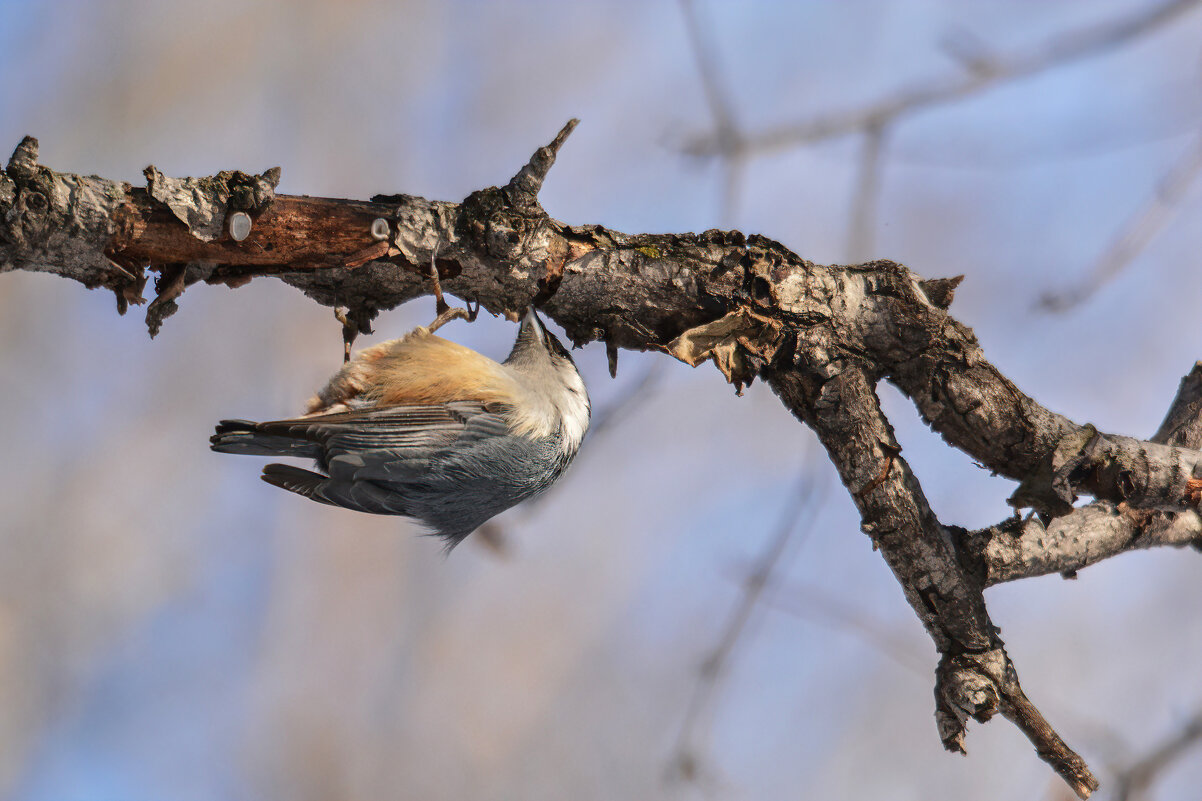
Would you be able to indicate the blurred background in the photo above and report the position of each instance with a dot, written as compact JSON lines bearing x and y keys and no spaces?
{"x":692,"y":612}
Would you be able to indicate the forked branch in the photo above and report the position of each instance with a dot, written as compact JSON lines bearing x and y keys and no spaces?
{"x":822,"y":335}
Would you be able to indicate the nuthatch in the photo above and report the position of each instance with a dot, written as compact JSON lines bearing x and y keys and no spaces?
{"x":425,"y":428}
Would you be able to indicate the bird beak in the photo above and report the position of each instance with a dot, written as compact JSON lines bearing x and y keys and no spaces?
{"x":533,"y":325}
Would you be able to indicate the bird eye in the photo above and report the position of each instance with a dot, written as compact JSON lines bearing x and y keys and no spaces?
{"x":557,"y":347}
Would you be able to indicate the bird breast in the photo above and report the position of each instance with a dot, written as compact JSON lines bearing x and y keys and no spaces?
{"x":417,"y":369}
{"x":423,"y":369}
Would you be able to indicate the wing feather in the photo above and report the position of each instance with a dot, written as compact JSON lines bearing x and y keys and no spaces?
{"x":391,"y":442}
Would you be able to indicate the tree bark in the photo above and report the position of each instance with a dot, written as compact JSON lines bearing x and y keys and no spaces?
{"x":823,"y":336}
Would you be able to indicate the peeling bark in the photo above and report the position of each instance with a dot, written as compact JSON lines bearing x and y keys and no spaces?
{"x":822,"y":335}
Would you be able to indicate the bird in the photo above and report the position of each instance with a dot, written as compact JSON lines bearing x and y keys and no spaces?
{"x":425,"y":428}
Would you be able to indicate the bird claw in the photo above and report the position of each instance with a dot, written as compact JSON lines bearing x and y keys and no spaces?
{"x":349,"y":332}
{"x":446,"y":313}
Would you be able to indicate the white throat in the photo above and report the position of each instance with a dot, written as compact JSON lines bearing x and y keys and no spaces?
{"x":555,"y":403}
{"x":574,"y":411}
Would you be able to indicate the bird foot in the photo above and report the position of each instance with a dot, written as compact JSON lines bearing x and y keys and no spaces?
{"x":349,"y":332}
{"x":446,"y":313}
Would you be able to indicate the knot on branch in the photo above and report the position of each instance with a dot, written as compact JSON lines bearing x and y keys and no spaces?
{"x":508,"y":229}
{"x":1049,"y":489}
{"x":60,"y":222}
{"x":25,"y":196}
{"x":522,"y":190}
{"x":1140,"y":473}
{"x":966,"y":687}
{"x":203,"y":203}
{"x":23,"y":164}
{"x":978,"y":686}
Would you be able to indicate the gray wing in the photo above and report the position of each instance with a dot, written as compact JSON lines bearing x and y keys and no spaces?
{"x":371,"y":443}
{"x":399,"y":444}
{"x":452,"y":466}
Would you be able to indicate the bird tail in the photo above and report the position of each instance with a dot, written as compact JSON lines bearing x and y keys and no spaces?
{"x":338,"y":489}
{"x":362,"y":496}
{"x":298,"y":480}
{"x":247,"y":438}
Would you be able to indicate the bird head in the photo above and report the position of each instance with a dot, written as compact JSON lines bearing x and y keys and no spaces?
{"x":546,"y":369}
{"x":536,"y":345}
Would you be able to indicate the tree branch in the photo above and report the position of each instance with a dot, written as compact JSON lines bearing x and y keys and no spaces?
{"x":1022,"y":548}
{"x":975,"y":677}
{"x":822,"y":335}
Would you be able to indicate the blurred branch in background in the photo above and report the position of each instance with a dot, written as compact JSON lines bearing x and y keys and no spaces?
{"x":726,"y":132}
{"x":801,"y":509}
{"x":1134,"y":782}
{"x":810,"y":602}
{"x":1139,"y":231}
{"x":730,"y":147}
{"x":985,"y":70}
{"x":861,"y":240}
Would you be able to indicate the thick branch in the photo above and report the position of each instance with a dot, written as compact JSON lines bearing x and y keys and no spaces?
{"x":823,"y":334}
{"x":500,"y":248}
{"x":1022,"y":548}
{"x":975,"y":677}
{"x":747,"y":302}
